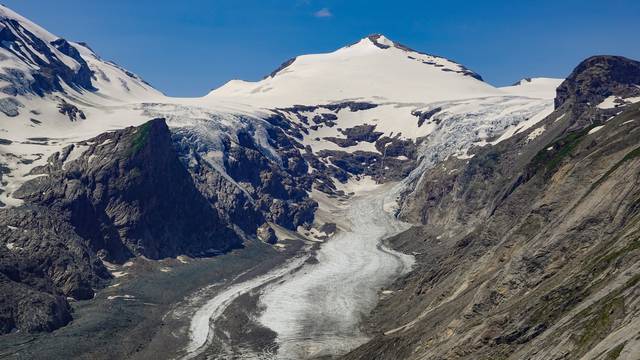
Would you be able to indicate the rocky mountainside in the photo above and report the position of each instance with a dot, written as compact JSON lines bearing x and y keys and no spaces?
{"x":529,"y":249}
{"x":105,"y":199}
{"x":525,"y":197}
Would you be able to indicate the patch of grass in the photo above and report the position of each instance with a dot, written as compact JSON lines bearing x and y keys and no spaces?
{"x":614,"y":353}
{"x":141,"y":137}
{"x":600,"y":324}
{"x":602,"y":262}
{"x":551,"y":160}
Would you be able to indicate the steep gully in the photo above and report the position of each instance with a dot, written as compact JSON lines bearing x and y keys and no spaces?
{"x":315,"y":309}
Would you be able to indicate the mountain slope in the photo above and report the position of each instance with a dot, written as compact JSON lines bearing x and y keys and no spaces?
{"x":79,"y":156}
{"x":373,"y":69}
{"x":529,"y":249}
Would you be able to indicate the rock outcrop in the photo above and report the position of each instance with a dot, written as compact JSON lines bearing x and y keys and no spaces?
{"x":121,"y":194}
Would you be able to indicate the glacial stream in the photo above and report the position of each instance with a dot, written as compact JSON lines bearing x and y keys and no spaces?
{"x":316,"y":310}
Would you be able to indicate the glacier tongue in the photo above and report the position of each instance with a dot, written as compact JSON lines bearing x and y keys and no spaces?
{"x":317,"y":310}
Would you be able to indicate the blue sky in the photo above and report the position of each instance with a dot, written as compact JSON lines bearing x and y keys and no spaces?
{"x":186,"y":48}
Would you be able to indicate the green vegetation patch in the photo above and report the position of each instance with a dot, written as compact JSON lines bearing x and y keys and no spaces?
{"x":614,"y":353}
{"x":141,"y":137}
{"x":601,"y":322}
{"x":551,"y":160}
{"x":602,"y":262}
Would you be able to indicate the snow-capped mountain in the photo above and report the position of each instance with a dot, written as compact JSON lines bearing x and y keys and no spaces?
{"x":523,"y":202}
{"x":373,"y":69}
{"x":75,"y":131}
{"x":373,"y":96}
{"x":34,"y":61}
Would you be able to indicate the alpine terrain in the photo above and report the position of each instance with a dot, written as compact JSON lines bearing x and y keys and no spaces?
{"x":375,"y":202}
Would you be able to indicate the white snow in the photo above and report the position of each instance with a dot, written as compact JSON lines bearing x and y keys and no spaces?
{"x":541,"y":88}
{"x":124,"y":297}
{"x":119,"y":274}
{"x":535,"y":133}
{"x":608,"y":103}
{"x":359,"y":72}
{"x":595,"y":129}
{"x":614,"y":101}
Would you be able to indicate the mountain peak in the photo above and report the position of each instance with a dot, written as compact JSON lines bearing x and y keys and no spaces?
{"x":375,"y":68}
{"x":599,"y":77}
{"x":381,"y":41}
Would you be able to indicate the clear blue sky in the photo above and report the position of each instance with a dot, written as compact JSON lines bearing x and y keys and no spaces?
{"x":186,"y":48}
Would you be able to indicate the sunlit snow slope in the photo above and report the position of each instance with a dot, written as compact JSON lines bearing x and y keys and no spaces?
{"x":373,"y":69}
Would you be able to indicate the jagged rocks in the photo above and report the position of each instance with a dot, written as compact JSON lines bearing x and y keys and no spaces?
{"x":19,"y":41}
{"x":117,"y":196}
{"x":599,"y":77}
{"x":42,"y":261}
{"x":10,"y":107}
{"x":266,"y":234}
{"x":72,"y":111}
{"x":530,"y":249}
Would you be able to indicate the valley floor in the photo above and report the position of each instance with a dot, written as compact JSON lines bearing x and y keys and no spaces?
{"x":144,"y":313}
{"x":305,"y":300}
{"x":314,"y":307}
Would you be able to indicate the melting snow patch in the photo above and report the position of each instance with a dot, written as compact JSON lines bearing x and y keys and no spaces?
{"x":595,"y":129}
{"x":535,"y":133}
{"x":464,"y":156}
{"x":13,"y":247}
{"x":118,"y":274}
{"x":124,"y":297}
{"x":358,"y":186}
{"x":608,"y":103}
{"x":628,"y":121}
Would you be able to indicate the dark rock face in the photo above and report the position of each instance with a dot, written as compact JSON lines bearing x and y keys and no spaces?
{"x":126,"y":194}
{"x":525,"y":246}
{"x":129,"y":194}
{"x":598,"y":77}
{"x":363,"y":163}
{"x":396,"y":157}
{"x":283,"y":66}
{"x":363,"y":132}
{"x":72,"y":111}
{"x":251,"y":183}
{"x":267,"y":234}
{"x":426,"y":116}
{"x":375,"y":39}
{"x":42,"y":261}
